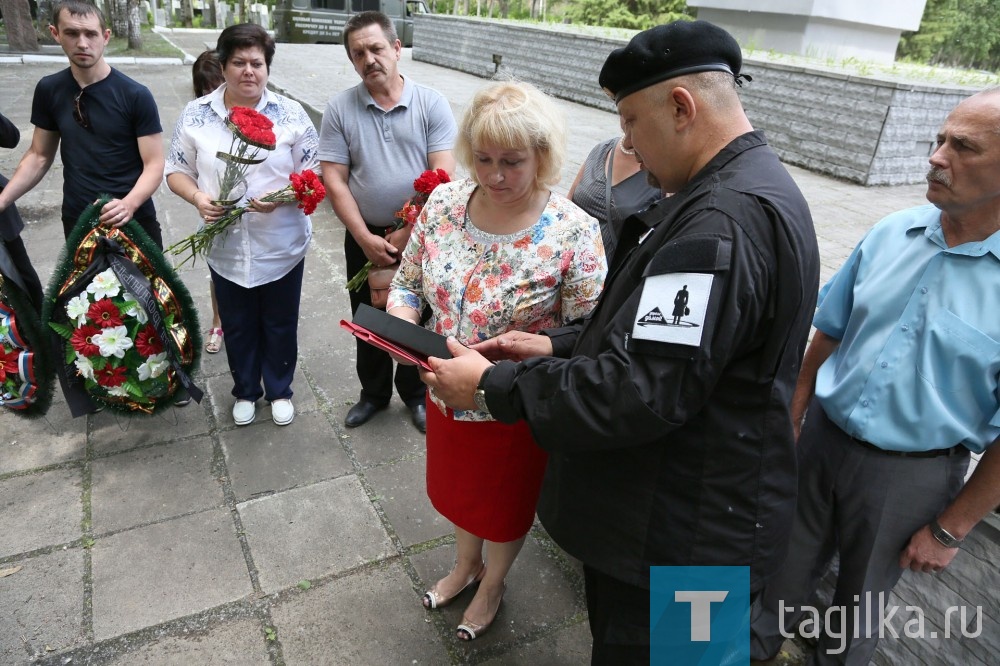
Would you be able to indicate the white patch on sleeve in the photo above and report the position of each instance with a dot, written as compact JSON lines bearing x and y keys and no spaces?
{"x":672,"y":308}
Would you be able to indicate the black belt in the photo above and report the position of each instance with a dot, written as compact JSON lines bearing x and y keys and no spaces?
{"x":933,"y":453}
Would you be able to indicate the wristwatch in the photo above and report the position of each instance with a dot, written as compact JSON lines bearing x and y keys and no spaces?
{"x":480,"y":395}
{"x":944,"y":537}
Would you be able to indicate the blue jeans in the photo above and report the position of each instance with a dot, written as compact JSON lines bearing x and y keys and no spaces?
{"x":261,"y":325}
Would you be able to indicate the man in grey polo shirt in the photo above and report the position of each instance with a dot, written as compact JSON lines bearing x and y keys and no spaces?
{"x":376,"y":138}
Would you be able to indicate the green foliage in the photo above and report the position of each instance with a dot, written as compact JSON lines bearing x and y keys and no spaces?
{"x":957,"y":33}
{"x":63,"y":330}
{"x":630,"y":14}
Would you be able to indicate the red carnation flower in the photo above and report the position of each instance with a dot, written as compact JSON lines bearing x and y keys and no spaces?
{"x":428,"y":180}
{"x":253,"y":127}
{"x":110,"y":377}
{"x":147,"y":342}
{"x":104,"y":313}
{"x":308,"y":190}
{"x":81,"y":340}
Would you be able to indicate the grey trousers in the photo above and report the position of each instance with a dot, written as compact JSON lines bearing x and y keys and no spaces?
{"x":863,"y":506}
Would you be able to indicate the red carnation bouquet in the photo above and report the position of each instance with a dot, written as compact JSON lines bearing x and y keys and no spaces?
{"x":408,"y":214}
{"x":306,"y":188}
{"x":252,"y":134}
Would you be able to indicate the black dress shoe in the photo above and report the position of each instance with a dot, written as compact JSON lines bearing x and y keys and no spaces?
{"x":419,"y":412}
{"x":361,"y":413}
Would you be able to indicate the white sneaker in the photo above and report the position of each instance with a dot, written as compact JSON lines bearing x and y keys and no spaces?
{"x":282,"y":411}
{"x":244,"y":412}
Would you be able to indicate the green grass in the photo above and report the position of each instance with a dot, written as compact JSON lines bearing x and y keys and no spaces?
{"x":153,"y":46}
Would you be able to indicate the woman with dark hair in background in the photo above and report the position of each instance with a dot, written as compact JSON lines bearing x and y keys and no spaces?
{"x":611,"y":185}
{"x":258,"y":264}
{"x":207,"y":76}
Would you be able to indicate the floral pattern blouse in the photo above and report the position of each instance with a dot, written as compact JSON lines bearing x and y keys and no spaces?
{"x":480,"y":285}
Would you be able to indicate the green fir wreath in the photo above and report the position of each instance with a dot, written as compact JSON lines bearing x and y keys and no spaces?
{"x":123,"y":321}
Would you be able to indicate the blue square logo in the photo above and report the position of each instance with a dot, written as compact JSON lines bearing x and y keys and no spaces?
{"x":699,"y":616}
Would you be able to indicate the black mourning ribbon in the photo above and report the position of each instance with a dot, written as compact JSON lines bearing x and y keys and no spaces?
{"x":112,"y":255}
{"x":9,"y":270}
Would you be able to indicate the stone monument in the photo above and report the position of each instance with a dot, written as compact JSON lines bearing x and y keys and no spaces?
{"x":837,"y":29}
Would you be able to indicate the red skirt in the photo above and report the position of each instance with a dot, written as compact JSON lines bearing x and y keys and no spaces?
{"x":483,"y":476}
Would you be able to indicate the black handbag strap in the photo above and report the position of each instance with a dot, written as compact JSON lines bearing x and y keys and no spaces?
{"x":607,"y":195}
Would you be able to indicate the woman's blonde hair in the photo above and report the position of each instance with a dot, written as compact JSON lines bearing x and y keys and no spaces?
{"x":515,"y":116}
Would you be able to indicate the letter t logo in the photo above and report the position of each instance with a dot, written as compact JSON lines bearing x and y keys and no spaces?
{"x":701,"y":610}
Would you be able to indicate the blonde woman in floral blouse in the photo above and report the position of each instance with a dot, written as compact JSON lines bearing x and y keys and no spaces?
{"x":495,"y":252}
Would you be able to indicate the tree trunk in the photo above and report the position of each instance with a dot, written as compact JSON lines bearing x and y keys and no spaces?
{"x":212,"y":20}
{"x":44,"y":16}
{"x":21,"y":34}
{"x":187,"y":13}
{"x":134,"y":29}
{"x":119,"y":18}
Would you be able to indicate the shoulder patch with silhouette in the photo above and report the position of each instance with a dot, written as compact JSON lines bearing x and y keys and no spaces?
{"x":672,"y":308}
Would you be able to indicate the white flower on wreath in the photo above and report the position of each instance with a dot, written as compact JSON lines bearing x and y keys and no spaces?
{"x":154,"y":366}
{"x":119,"y":392}
{"x":113,"y":341}
{"x":77,"y":308}
{"x":84,"y":367}
{"x":133,"y":309}
{"x":105,"y":285}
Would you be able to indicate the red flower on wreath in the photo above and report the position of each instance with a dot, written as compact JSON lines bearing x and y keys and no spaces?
{"x":8,"y":362}
{"x":147,"y":342}
{"x":104,"y":313}
{"x":81,"y":340}
{"x":111,"y":377}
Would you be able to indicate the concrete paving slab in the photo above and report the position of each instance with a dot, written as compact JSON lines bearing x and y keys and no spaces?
{"x":539,"y":597}
{"x":320,"y":335}
{"x":237,"y":642}
{"x":151,"y":484}
{"x":369,"y":617}
{"x":311,"y":532}
{"x":390,"y":435}
{"x":331,"y":372}
{"x":30,"y":443}
{"x":402,"y":494}
{"x":153,"y":574}
{"x":566,"y":647}
{"x":269,"y":459}
{"x":113,"y":431}
{"x":42,"y":606}
{"x":40,"y":510}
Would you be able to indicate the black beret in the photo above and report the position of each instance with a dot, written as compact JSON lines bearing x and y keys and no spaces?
{"x":666,"y":51}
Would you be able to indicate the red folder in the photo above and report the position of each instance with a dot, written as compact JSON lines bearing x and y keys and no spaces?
{"x":396,"y":335}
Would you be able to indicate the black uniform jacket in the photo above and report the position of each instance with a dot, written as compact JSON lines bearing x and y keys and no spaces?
{"x":10,"y":221}
{"x":680,"y":453}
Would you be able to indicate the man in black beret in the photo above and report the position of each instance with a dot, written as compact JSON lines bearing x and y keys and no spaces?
{"x":670,"y":441}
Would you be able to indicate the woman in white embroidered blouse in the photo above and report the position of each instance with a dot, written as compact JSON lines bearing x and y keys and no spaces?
{"x":257,"y":266}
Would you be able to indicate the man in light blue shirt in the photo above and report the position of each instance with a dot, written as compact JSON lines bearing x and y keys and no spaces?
{"x":901,"y":382}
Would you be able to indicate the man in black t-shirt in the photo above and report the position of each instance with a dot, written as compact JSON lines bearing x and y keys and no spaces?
{"x":107,"y":124}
